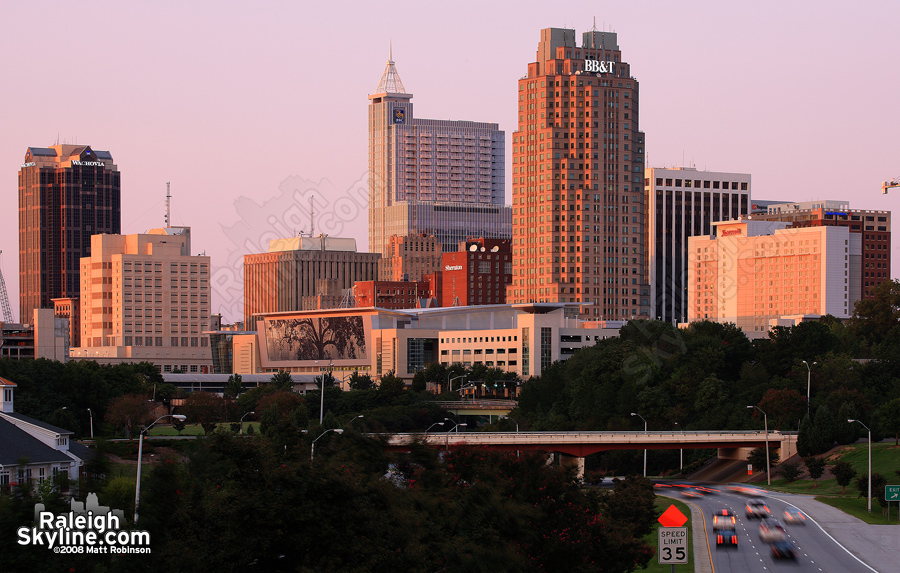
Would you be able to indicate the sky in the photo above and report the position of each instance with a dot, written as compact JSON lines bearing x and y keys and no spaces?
{"x":250,"y":109}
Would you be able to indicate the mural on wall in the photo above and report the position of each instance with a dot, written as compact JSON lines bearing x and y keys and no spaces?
{"x":319,"y":338}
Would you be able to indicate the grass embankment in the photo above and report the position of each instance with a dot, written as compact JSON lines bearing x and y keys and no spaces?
{"x":885,"y":460}
{"x":652,"y":539}
{"x":189,"y":430}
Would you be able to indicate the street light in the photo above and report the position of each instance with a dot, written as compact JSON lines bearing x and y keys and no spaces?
{"x":242,"y":420}
{"x":312,"y":450}
{"x":870,"y":460}
{"x":92,"y":422}
{"x":454,"y":429}
{"x":645,"y":449}
{"x":508,"y":418}
{"x":517,"y":427}
{"x":354,"y":419}
{"x":808,"y":377}
{"x":137,"y":485}
{"x":431,"y":426}
{"x":450,"y":383}
{"x":681,"y":451}
{"x":766,"y":420}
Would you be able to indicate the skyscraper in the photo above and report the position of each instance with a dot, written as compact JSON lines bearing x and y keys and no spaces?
{"x":66,"y":194}
{"x":681,"y":203}
{"x":437,"y":177}
{"x":578,"y":167}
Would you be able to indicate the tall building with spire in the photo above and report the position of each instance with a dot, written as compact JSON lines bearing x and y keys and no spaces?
{"x":431,"y":176}
{"x":66,"y":194}
{"x":578,"y":169}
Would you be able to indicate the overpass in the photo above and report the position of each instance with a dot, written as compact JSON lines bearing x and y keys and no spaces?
{"x":477,"y":407}
{"x":574,"y":446}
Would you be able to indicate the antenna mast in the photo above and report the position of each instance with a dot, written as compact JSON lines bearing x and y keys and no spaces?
{"x":4,"y":299}
{"x":168,"y":206}
{"x":312,"y":212}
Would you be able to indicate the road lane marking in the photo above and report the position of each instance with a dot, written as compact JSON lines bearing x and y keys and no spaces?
{"x":866,"y":565}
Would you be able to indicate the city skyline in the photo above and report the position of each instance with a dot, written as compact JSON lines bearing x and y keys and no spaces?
{"x":200,"y":95}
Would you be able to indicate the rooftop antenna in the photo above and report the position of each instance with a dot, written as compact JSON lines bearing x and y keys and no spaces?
{"x":312,"y":212}
{"x":168,"y":205}
{"x":595,"y":24}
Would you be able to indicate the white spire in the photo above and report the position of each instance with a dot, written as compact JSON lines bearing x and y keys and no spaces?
{"x":390,"y":81}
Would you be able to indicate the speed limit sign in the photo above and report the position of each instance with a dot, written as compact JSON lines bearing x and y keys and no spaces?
{"x":673,"y":545}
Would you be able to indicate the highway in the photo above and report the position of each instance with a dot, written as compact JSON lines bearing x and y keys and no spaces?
{"x":816,"y":551}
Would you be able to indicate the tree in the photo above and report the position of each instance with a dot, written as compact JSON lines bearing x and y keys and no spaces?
{"x":391,"y":385}
{"x":327,"y":378}
{"x":889,"y":418}
{"x":282,"y":380}
{"x":816,"y":467}
{"x":129,"y":410}
{"x":361,"y":381}
{"x":823,"y":430}
{"x":846,"y":432}
{"x":805,"y":445}
{"x":784,"y":407}
{"x":844,"y":473}
{"x":757,"y":457}
{"x":789,"y":471}
{"x":875,"y":317}
{"x":878,"y":483}
{"x":234,"y":386}
{"x":205,"y":409}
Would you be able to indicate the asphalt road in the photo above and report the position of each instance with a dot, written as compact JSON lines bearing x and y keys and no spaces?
{"x":817,"y":551}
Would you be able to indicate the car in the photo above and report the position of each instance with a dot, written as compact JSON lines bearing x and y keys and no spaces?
{"x":794,"y":516}
{"x":756,"y":507}
{"x":783,"y":550}
{"x":771,"y":531}
{"x":691,"y":493}
{"x":723,"y":519}
{"x":726,"y":537}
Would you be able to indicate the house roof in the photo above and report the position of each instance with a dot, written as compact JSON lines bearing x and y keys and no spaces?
{"x":16,"y":444}
{"x":38,"y":423}
{"x":5,"y":382}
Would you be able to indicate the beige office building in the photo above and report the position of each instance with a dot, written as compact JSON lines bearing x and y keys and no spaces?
{"x":145,"y":298}
{"x":760,"y":274}
{"x":303,"y":273}
{"x":410,"y":257}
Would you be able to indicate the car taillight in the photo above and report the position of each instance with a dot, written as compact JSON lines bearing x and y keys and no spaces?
{"x":719,"y":539}
{"x":734,"y":539}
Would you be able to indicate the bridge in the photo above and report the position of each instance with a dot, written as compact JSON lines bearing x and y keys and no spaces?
{"x":477,"y":407}
{"x":574,"y":446}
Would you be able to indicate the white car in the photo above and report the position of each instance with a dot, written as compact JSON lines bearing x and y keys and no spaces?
{"x":794,"y":516}
{"x":771,"y":531}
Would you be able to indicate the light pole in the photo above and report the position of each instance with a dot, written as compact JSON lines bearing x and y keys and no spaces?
{"x":242,"y":420}
{"x":808,"y":379}
{"x":870,"y":460}
{"x":354,"y":419}
{"x":312,"y":450}
{"x":137,"y":485}
{"x":431,"y":426}
{"x":454,"y":429}
{"x":517,"y":427}
{"x":92,"y":422}
{"x":766,"y":421}
{"x":508,"y":418}
{"x":681,"y":451}
{"x":645,"y":449}
{"x":450,"y":383}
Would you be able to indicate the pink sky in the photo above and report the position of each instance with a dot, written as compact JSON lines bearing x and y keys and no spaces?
{"x":247,"y":109}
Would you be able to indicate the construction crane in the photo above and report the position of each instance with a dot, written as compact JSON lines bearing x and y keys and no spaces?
{"x":4,"y":298}
{"x":885,"y":185}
